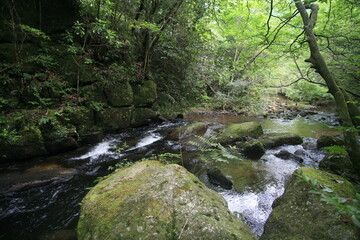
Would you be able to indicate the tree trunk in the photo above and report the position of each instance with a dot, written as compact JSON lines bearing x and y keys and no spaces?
{"x":319,"y":64}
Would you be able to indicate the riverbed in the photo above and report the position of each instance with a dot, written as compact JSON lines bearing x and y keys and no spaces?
{"x":40,"y":199}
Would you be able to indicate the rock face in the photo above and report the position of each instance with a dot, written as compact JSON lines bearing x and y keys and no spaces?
{"x":119,"y":94}
{"x":145,"y":94}
{"x":237,"y":131}
{"x":150,"y":200}
{"x":299,"y":214}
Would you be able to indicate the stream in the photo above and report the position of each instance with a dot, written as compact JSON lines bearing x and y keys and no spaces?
{"x":40,"y":199}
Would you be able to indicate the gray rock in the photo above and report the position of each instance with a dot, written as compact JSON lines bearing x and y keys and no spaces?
{"x":217,"y":178}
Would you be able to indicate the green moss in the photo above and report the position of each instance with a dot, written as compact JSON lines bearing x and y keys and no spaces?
{"x":119,"y":94}
{"x":145,"y":94}
{"x":152,"y":200}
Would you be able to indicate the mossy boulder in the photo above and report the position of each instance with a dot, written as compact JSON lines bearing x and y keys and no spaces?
{"x":150,"y":200}
{"x":145,"y":94}
{"x":197,"y":128}
{"x":337,"y":162}
{"x":142,"y":116}
{"x":94,"y":93}
{"x":76,"y":71}
{"x":81,"y":117}
{"x":329,"y":140}
{"x":239,"y":131}
{"x":217,"y":178}
{"x":285,"y":155}
{"x":279,"y":139}
{"x":252,"y":150}
{"x":24,"y":145}
{"x":299,"y":214}
{"x":114,"y":118}
{"x":119,"y":94}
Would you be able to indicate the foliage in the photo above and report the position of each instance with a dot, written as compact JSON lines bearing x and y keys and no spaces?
{"x":347,"y":206}
{"x":335,"y":149}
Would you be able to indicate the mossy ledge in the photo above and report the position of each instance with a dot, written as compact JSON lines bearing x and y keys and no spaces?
{"x":149,"y":200}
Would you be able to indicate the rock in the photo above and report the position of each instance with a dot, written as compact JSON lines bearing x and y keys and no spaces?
{"x":61,"y":145}
{"x":119,"y":94}
{"x":197,"y":128}
{"x":337,"y":162}
{"x":277,"y":140}
{"x":298,"y":214}
{"x":145,"y":94}
{"x":26,"y":145}
{"x":217,"y":178}
{"x":237,"y":131}
{"x":93,"y":93}
{"x":79,"y":116}
{"x":150,"y":200}
{"x":309,"y":146}
{"x":329,"y":140}
{"x":142,"y":116}
{"x":92,"y":135}
{"x":285,"y":155}
{"x":76,"y":70}
{"x":253,"y":150}
{"x":114,"y":118}
{"x":300,"y":152}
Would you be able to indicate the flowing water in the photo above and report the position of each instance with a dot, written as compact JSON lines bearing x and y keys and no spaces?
{"x":40,"y":199}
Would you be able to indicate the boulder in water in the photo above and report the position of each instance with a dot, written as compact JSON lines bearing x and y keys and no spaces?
{"x":329,"y":140}
{"x":238,"y":131}
{"x":253,"y":150}
{"x":277,"y":140}
{"x":337,"y":162}
{"x":299,"y":214}
{"x":150,"y":200}
{"x":217,"y":178}
{"x":285,"y":155}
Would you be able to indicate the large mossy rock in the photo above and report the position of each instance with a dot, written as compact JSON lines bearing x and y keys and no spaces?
{"x":197,"y":128}
{"x":26,"y":145}
{"x":142,"y":116}
{"x":150,"y":200}
{"x":337,"y":162}
{"x":252,"y":150}
{"x":119,"y":94}
{"x":238,"y":131}
{"x":279,"y":139}
{"x":94,"y":94}
{"x":114,"y":118}
{"x":145,"y":94}
{"x":329,"y":140}
{"x":298,"y":214}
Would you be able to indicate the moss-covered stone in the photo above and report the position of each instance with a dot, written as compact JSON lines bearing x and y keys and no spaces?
{"x":217,"y":178}
{"x":119,"y":94}
{"x":114,"y":118}
{"x":142,"y":116}
{"x":279,"y":139}
{"x":329,"y":140}
{"x":197,"y":128}
{"x":337,"y":162}
{"x":145,"y":94}
{"x":24,"y":145}
{"x":93,"y":93}
{"x":238,"y":131}
{"x":76,"y":71}
{"x":81,"y":117}
{"x":150,"y":200}
{"x":253,"y":150}
{"x":299,"y":214}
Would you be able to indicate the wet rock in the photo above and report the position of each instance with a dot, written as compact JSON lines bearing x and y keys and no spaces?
{"x":61,"y":145}
{"x":253,"y":150}
{"x":309,"y":146}
{"x":145,"y":94}
{"x":119,"y":94}
{"x":198,"y":128}
{"x":237,"y":131}
{"x":277,"y":140}
{"x":329,"y":140}
{"x":114,"y":118}
{"x":92,"y":135}
{"x":150,"y":200}
{"x":300,"y":152}
{"x":298,"y":214}
{"x":285,"y":155}
{"x":26,"y":145}
{"x":217,"y":178}
{"x":142,"y":116}
{"x":337,"y":162}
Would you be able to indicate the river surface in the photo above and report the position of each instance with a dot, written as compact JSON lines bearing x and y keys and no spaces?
{"x":40,"y":199}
